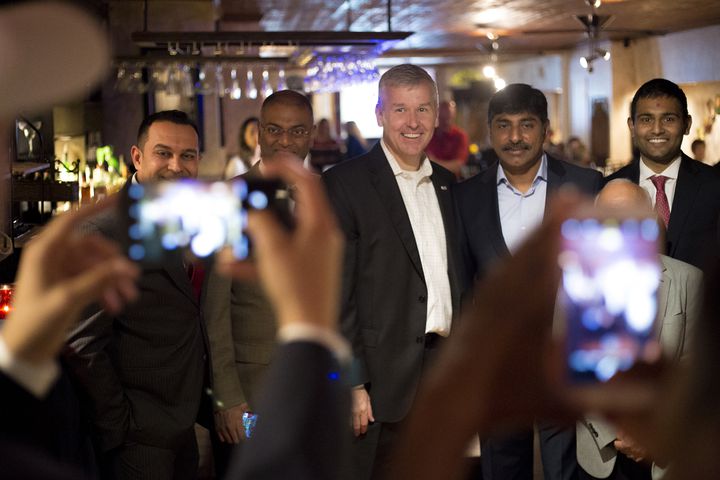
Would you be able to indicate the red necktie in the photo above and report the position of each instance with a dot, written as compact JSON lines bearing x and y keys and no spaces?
{"x":196,"y":272}
{"x":661,"y":202}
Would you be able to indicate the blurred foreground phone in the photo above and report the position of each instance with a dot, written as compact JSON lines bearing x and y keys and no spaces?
{"x":610,"y":277}
{"x":198,"y":217}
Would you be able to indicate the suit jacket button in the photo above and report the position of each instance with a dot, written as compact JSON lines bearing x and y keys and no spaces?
{"x":420,"y":339}
{"x":422,"y":298}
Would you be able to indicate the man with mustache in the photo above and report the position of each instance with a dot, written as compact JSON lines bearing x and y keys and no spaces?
{"x":497,"y":210}
{"x":685,"y":193}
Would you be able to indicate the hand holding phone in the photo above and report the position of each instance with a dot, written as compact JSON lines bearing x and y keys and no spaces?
{"x":610,"y":277}
{"x":198,"y":217}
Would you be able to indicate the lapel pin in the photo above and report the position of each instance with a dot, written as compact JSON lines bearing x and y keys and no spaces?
{"x":443,"y":187}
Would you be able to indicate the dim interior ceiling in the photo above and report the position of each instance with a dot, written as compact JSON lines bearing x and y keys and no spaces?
{"x":461,"y":27}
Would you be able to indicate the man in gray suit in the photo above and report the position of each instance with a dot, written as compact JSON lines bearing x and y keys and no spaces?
{"x":240,"y":320}
{"x":603,"y":452}
{"x":144,"y":369}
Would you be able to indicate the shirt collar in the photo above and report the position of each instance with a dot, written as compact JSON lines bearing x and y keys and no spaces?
{"x":425,"y":169}
{"x":671,"y":171}
{"x":540,"y":175}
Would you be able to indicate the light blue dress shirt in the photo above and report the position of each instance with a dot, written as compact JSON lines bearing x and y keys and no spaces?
{"x":521,"y":212}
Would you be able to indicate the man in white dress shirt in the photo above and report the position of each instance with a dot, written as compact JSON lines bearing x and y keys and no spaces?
{"x":400,"y":282}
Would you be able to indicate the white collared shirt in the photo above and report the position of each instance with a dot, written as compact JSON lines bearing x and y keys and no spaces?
{"x":671,"y":172}
{"x":421,"y":204}
{"x":521,"y":212}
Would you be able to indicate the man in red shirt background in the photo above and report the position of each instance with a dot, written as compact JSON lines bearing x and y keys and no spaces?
{"x":449,"y":144}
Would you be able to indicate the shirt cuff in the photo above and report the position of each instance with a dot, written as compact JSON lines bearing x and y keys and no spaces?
{"x":333,"y":341}
{"x":35,"y":378}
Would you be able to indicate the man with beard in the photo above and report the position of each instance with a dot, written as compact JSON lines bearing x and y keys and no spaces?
{"x":144,"y":368}
{"x":497,"y":210}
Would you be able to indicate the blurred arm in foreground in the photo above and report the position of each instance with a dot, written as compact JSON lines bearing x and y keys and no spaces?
{"x":500,"y":370}
{"x":61,"y":272}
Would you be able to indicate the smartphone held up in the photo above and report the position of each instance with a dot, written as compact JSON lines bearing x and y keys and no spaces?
{"x":610,"y":277}
{"x":198,"y":218}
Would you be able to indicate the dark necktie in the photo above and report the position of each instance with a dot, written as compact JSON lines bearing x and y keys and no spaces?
{"x":661,"y":202}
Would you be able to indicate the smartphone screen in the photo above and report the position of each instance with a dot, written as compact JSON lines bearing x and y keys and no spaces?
{"x":249,"y":420}
{"x":610,"y":277}
{"x":196,"y":216}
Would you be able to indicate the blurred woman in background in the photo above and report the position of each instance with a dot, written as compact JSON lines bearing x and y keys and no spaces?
{"x":248,"y":151}
{"x":355,"y":143}
{"x":326,"y":151}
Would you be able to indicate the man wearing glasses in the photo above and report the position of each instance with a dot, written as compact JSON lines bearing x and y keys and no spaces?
{"x":240,"y":321}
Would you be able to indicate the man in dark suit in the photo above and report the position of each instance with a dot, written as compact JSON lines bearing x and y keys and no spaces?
{"x":240,"y":320}
{"x":685,"y":193}
{"x":497,"y":209}
{"x":400,"y":282}
{"x":144,"y":369}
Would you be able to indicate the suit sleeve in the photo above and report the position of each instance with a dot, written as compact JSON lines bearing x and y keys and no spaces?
{"x":349,"y":321}
{"x":693,"y":311}
{"x":91,"y":365}
{"x":19,"y":405}
{"x":303,"y":438}
{"x":228,"y":391}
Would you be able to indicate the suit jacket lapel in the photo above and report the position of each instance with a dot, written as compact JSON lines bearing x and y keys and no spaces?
{"x":386,"y":186}
{"x":445,"y":201}
{"x":179,"y":276}
{"x":254,"y":171}
{"x":555,"y":177}
{"x":633,"y":171}
{"x":662,"y":297}
{"x":685,"y":192}
{"x":491,"y":202}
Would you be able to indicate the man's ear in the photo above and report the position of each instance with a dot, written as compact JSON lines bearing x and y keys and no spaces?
{"x":688,"y":124}
{"x":136,"y":155}
{"x":378,"y":114}
{"x":631,"y":126}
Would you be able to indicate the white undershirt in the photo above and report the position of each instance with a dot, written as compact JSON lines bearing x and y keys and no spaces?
{"x":423,"y":209}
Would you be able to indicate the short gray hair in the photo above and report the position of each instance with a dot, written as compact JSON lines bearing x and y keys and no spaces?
{"x":406,"y":75}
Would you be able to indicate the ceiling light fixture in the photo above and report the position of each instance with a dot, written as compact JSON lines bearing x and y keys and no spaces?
{"x":598,"y":53}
